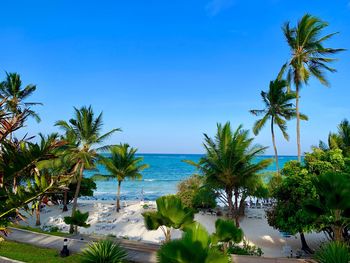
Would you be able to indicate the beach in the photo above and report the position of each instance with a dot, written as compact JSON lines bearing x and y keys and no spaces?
{"x":128,"y":224}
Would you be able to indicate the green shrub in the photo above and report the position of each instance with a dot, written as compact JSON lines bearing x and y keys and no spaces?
{"x":104,"y":251}
{"x":246,"y":249}
{"x":204,"y":198}
{"x":333,"y":252}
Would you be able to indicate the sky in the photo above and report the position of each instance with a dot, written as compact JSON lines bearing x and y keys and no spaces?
{"x":167,"y":71}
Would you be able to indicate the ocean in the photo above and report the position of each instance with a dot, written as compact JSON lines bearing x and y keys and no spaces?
{"x":161,"y":178}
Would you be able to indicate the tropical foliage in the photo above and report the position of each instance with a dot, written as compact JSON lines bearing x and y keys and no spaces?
{"x":123,"y":164}
{"x":104,"y":251}
{"x":333,"y":252}
{"x":193,"y":247}
{"x":171,"y":213}
{"x":332,"y":205}
{"x":83,"y":132}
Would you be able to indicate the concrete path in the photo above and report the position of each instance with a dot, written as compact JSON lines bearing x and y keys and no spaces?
{"x":8,"y":260}
{"x":137,"y":252}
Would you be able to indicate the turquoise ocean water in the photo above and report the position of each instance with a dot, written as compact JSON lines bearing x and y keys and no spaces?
{"x":165,"y":172}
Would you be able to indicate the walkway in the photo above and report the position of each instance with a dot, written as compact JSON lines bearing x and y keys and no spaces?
{"x":137,"y":251}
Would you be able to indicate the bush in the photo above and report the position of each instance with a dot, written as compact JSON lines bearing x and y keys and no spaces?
{"x":204,"y":198}
{"x":86,"y":189}
{"x":187,"y":189}
{"x":194,"y":195}
{"x":333,"y":252}
{"x":104,"y":251}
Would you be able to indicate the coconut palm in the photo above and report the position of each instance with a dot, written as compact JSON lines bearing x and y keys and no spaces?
{"x":278,"y":109}
{"x":309,"y":57}
{"x":11,"y":88}
{"x":230,"y":162}
{"x":193,"y":247}
{"x":171,"y":213}
{"x":123,"y":164}
{"x":84,"y":132}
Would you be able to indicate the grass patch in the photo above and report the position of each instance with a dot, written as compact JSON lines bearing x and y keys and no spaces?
{"x":38,"y":230}
{"x":29,"y":253}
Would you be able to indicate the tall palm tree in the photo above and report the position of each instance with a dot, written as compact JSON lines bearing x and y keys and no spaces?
{"x":123,"y":164}
{"x":309,"y":57}
{"x":279,"y":109}
{"x":11,"y":89}
{"x":230,"y":162}
{"x":83,"y":132}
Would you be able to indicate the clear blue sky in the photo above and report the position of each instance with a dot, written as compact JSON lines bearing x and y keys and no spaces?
{"x":167,"y":71}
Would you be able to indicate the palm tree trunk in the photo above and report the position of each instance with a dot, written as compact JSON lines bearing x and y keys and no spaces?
{"x":298,"y":120}
{"x":236,"y":208}
{"x":75,"y":200}
{"x":118,"y":196}
{"x":229,"y":201}
{"x":37,"y":213}
{"x":274,"y":145}
{"x":65,"y":196}
{"x":304,"y":246}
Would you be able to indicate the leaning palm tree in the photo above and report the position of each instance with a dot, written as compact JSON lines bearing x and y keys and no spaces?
{"x":279,"y":109}
{"x":123,"y":164}
{"x":309,"y":57}
{"x":229,"y":162}
{"x":83,"y":132}
{"x":11,"y":88}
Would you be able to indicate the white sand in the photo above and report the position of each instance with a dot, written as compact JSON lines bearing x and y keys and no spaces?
{"x":128,"y":223}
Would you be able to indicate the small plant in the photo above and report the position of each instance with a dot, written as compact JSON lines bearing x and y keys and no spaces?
{"x":226,"y":232}
{"x":145,"y":206}
{"x":77,"y":220}
{"x":333,"y":252}
{"x":53,"y":229}
{"x":246,"y":249}
{"x":104,"y":251}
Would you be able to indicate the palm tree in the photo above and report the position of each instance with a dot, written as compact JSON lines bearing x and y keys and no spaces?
{"x":171,"y":213}
{"x":229,"y":162}
{"x":83,"y":132}
{"x":123,"y":164}
{"x":11,"y":89}
{"x":309,"y":57}
{"x":278,"y":108}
